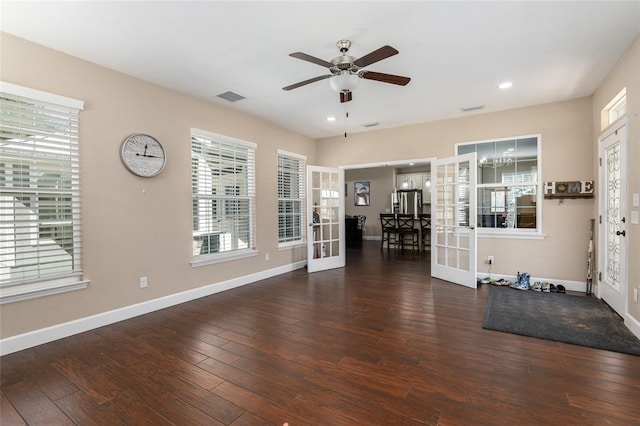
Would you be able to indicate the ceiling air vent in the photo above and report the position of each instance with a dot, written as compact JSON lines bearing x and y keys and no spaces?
{"x":473,"y":108}
{"x":372,"y":124}
{"x":230,"y":96}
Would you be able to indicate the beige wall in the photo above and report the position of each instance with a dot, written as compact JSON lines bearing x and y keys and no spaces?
{"x":567,"y":154}
{"x":381,"y":180}
{"x":135,"y":227}
{"x":625,"y":74}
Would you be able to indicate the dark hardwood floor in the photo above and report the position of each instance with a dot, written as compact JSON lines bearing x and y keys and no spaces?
{"x":377,"y":342}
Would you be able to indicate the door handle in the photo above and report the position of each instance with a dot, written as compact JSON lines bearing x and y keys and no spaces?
{"x":621,"y":233}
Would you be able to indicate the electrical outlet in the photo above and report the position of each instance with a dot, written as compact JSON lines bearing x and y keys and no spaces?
{"x":266,"y":256}
{"x":143,"y":282}
{"x":635,"y":295}
{"x":490,"y":260}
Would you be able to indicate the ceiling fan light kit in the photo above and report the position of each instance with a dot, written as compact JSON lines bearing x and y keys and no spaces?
{"x":346,"y":71}
{"x":344,"y":81}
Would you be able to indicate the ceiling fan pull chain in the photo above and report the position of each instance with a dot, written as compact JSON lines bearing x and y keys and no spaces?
{"x":346,"y":115}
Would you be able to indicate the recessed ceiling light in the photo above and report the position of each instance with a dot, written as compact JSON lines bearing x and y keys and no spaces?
{"x":331,"y":118}
{"x":505,"y":85}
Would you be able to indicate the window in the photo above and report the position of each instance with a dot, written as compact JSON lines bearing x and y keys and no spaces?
{"x":223,"y":196}
{"x":291,"y":215}
{"x":508,"y":186}
{"x":615,"y":109}
{"x":40,"y":240}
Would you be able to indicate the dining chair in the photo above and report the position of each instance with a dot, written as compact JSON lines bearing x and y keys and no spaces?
{"x":389,"y":230}
{"x":425,"y":229}
{"x":406,"y":228}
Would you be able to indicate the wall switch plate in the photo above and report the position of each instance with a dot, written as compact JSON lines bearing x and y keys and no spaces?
{"x":636,"y":200}
{"x":143,"y":282}
{"x":634,"y":217}
{"x":635,"y":295}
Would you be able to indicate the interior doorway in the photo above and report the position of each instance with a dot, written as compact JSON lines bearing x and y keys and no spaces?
{"x":382,"y":178}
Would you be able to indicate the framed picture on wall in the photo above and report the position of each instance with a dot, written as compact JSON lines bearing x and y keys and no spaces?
{"x":361,"y":193}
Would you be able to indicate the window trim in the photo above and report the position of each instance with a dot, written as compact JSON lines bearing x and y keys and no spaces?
{"x":303,"y":234}
{"x":515,"y":233}
{"x":198,"y":260}
{"x":73,"y":280}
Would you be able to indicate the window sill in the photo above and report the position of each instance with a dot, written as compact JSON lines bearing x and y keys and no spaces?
{"x":291,"y":246}
{"x":18,"y":293}
{"x":212,"y":259}
{"x":534,"y":235}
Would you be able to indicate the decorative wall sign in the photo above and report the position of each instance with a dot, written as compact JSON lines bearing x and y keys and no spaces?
{"x":573,"y":189}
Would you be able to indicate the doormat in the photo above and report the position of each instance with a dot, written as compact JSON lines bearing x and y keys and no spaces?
{"x":578,"y":320}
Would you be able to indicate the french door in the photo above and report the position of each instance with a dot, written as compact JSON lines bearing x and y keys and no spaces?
{"x":453,"y":219}
{"x":612,"y":236}
{"x":325,"y":216}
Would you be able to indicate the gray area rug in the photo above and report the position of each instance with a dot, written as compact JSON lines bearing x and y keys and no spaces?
{"x":564,"y":318}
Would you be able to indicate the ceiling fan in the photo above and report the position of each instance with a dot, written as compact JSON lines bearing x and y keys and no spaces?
{"x":346,"y":71}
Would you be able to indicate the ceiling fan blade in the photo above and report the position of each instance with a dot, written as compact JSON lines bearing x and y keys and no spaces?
{"x":311,"y":80}
{"x":346,"y":96}
{"x":377,"y":55}
{"x":312,"y":59}
{"x":385,"y":78}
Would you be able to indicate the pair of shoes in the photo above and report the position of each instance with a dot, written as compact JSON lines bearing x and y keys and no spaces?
{"x":557,"y":288}
{"x":537,"y":286}
{"x":546,"y":287}
{"x":523,"y":282}
{"x":502,"y":282}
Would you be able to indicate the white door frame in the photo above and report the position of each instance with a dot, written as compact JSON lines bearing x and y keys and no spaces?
{"x":453,"y":220}
{"x":613,"y":223}
{"x":326,"y":240}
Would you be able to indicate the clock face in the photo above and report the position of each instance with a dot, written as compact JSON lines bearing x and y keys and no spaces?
{"x":143,"y":155}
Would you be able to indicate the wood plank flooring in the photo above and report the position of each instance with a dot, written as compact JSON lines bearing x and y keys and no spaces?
{"x":375,"y":343}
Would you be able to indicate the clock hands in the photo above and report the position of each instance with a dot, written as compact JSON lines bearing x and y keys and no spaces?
{"x":144,"y":154}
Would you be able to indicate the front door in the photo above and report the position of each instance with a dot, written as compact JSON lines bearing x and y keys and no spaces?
{"x":453,"y":216}
{"x":325,"y":215}
{"x":612,"y":241}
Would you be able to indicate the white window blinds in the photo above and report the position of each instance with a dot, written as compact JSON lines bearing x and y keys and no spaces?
{"x":39,"y":186}
{"x":291,"y":215}
{"x":223,"y":194}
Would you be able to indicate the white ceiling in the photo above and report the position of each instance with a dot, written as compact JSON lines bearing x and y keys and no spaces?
{"x":456,"y":53}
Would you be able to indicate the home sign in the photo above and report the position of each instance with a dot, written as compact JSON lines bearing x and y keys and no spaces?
{"x":574,"y":189}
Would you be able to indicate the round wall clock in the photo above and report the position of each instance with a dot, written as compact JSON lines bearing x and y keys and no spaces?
{"x":143,"y":155}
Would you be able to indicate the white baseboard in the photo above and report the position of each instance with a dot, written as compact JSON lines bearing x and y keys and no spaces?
{"x":59,"y":331}
{"x":632,"y":324}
